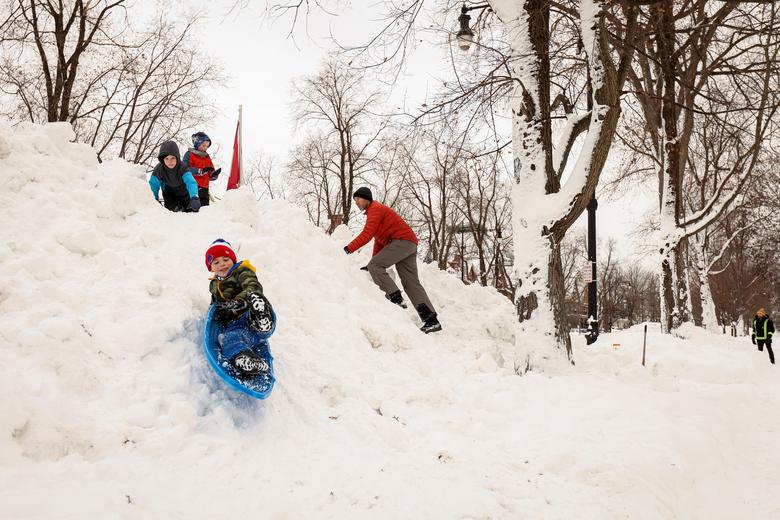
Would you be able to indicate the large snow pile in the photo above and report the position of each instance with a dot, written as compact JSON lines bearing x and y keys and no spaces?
{"x":109,"y":409}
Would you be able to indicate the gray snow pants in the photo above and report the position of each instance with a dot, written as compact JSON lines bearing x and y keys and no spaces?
{"x":403,"y":255}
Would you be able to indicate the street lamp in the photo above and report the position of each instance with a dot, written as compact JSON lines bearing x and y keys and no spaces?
{"x":463,"y":229}
{"x":465,"y":35}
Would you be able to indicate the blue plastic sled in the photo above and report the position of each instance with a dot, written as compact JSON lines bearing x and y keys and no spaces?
{"x":259,"y":385}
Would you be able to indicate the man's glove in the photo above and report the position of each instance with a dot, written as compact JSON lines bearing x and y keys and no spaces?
{"x":261,"y":317}
{"x":753,"y":339}
{"x":214,"y":174}
{"x":346,"y":250}
{"x":194,"y":204}
{"x":229,"y":310}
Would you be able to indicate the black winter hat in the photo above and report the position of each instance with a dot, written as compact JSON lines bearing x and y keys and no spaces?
{"x":363,"y":193}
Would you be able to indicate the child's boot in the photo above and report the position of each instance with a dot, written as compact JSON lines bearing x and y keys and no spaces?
{"x":249,"y":363}
{"x":261,"y":317}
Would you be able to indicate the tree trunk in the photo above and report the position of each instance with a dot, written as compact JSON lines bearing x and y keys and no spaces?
{"x":540,"y":286}
{"x":669,"y":170}
{"x":709,"y":316}
{"x":684,"y":303}
{"x":543,"y":210}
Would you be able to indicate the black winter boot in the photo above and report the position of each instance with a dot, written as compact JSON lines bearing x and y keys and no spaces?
{"x":396,"y":298}
{"x":247,"y":362}
{"x":261,"y":318}
{"x":431,"y":325}
{"x":429,"y":319}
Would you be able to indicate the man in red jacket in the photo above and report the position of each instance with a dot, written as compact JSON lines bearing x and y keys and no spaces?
{"x":394,"y":244}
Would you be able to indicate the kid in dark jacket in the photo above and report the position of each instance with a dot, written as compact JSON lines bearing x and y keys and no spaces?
{"x":198,"y":163}
{"x":179,"y":189}
{"x":242,"y":310}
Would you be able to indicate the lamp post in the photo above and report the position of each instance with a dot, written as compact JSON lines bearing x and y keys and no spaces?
{"x":462,"y":229}
{"x":593,"y":324}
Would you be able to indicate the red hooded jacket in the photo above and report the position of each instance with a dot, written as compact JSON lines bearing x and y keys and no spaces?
{"x":195,"y":162}
{"x":383,"y":225}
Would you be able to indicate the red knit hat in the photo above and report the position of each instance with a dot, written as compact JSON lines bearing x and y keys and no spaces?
{"x":219,"y":248}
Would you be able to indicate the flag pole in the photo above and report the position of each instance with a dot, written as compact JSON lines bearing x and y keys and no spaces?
{"x":240,"y":140}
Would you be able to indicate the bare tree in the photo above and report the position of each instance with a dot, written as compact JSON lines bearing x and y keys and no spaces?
{"x":311,"y":176}
{"x":334,"y":101}
{"x":608,"y":285}
{"x":164,"y":92}
{"x":701,"y":61}
{"x":61,"y":34}
{"x":392,"y":166}
{"x":479,"y":187}
{"x":431,"y":186}
{"x":123,"y":89}
{"x":264,"y":178}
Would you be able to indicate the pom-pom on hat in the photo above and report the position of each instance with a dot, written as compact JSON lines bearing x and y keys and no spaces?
{"x":199,"y":138}
{"x":219,"y":248}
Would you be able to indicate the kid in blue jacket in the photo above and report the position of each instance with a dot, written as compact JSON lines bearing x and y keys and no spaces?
{"x":179,"y":189}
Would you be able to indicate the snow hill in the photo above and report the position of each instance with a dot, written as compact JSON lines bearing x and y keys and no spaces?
{"x":108,"y":408}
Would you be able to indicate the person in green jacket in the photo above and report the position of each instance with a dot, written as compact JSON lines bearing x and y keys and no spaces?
{"x":763,"y":330}
{"x":243,"y":312}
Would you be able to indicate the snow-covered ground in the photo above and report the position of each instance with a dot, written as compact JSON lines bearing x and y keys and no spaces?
{"x":108,"y":408}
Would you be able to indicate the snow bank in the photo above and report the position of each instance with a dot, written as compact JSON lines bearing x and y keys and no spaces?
{"x":109,"y":409}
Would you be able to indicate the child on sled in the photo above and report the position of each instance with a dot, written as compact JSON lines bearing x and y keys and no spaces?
{"x":243,"y":312}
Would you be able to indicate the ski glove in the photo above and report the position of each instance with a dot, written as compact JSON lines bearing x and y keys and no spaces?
{"x":753,"y":339}
{"x":229,"y":310}
{"x":261,"y":317}
{"x":194,"y":204}
{"x":346,"y":250}
{"x":214,"y":174}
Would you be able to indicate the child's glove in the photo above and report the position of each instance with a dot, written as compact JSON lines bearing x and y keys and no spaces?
{"x":261,"y":316}
{"x":230,"y":310}
{"x":215,"y":173}
{"x":194,"y":204}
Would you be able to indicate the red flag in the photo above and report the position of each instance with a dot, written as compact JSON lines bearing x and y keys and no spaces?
{"x":235,"y":167}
